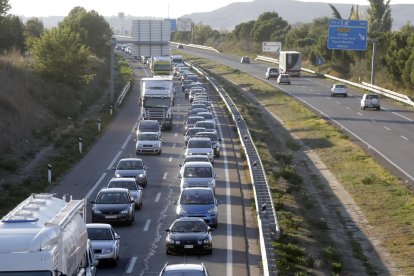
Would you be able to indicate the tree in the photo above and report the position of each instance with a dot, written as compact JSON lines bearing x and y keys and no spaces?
{"x":335,"y":13}
{"x":33,"y":29}
{"x":11,"y":33}
{"x":4,"y":7}
{"x":92,"y":27}
{"x":269,"y":27}
{"x":59,"y":54}
{"x":379,"y":16}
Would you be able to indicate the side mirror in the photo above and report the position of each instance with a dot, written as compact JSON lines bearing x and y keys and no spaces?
{"x":146,"y":168}
{"x":167,"y":230}
{"x":219,"y":139}
{"x":131,"y":201}
{"x":95,"y":262}
{"x":210,"y":229}
{"x":114,"y":168}
{"x":180,"y":165}
{"x":215,"y":175}
{"x":179,"y":176}
{"x":92,"y":201}
{"x":218,"y":202}
{"x":117,"y":237}
{"x":175,"y":202}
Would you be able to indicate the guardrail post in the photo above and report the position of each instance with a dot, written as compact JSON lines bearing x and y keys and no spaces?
{"x":99,"y":125}
{"x":80,"y":144}
{"x":49,"y":173}
{"x":110,"y":110}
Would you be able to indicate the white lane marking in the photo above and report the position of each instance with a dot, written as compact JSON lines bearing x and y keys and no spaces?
{"x":174,"y":145}
{"x":360,"y":114}
{"x":302,"y":86}
{"x":338,"y":102}
{"x":114,"y":160}
{"x":157,"y":198}
{"x":311,"y":90}
{"x":147,"y":224}
{"x":126,"y":142}
{"x":176,"y":134}
{"x":96,"y":185}
{"x":348,"y":108}
{"x":170,"y":159}
{"x":318,"y":93}
{"x":328,"y":98}
{"x":135,"y":125}
{"x":165,"y":176}
{"x":353,"y":134}
{"x":131,"y":265}
{"x":387,"y":128}
{"x":402,"y":116}
{"x":404,"y":137}
{"x":229,"y":228}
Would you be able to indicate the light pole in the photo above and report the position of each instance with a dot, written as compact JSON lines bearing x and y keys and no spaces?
{"x":374,"y":44}
{"x":112,"y":73}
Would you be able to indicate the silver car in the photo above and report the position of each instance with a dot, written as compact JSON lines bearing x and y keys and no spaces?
{"x":134,"y":168}
{"x":197,"y":174}
{"x":105,"y":242}
{"x":148,"y":142}
{"x":200,"y":146}
{"x":131,"y":185}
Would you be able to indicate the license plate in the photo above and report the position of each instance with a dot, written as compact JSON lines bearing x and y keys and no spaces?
{"x":188,"y":246}
{"x":110,"y":217}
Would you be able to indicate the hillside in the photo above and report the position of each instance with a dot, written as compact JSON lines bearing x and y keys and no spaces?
{"x":290,"y":10}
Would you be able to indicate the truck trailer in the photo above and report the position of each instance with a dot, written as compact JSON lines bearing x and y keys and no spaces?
{"x":46,"y":236}
{"x":290,"y":63}
{"x":157,"y":100}
{"x":161,"y":65}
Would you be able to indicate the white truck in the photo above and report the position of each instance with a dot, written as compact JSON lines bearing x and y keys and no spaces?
{"x":157,"y":100}
{"x":290,"y":62}
{"x":46,"y":236}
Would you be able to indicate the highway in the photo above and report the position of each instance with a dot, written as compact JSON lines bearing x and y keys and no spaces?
{"x":388,"y":135}
{"x":143,"y":243}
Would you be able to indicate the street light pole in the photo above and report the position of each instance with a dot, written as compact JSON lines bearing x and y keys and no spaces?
{"x":374,"y":44}
{"x":112,"y":73}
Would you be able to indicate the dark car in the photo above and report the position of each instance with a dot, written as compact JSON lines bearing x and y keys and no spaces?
{"x":189,"y":235}
{"x":198,"y":202}
{"x":245,"y":60}
{"x":132,"y":168}
{"x":180,"y":46}
{"x":191,"y":132}
{"x":184,"y":270}
{"x":113,"y":205}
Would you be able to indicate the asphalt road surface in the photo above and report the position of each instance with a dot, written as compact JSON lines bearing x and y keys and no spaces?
{"x":143,"y":243}
{"x":388,"y":135}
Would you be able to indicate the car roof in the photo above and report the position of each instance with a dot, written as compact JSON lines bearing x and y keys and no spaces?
{"x":207,"y":133}
{"x":197,"y":157}
{"x":149,"y":122}
{"x":130,"y":159}
{"x":199,"y":139}
{"x":98,"y":225}
{"x":198,"y":117}
{"x":198,"y":164}
{"x":172,"y":267}
{"x":122,"y":179}
{"x":108,"y":190}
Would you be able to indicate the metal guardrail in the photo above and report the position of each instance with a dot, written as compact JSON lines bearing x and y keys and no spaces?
{"x":266,"y":215}
{"x":123,"y":94}
{"x":365,"y":86}
{"x":197,"y":46}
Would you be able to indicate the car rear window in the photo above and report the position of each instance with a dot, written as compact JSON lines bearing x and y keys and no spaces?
{"x":198,"y":172}
{"x":199,"y":143}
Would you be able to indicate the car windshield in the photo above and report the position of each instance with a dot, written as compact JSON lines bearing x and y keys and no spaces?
{"x":130,"y":185}
{"x":189,"y":226}
{"x":102,"y":234}
{"x":112,"y":198}
{"x":208,"y":116}
{"x":206,"y":125}
{"x":211,"y":135}
{"x":130,"y":165}
{"x":193,"y":131}
{"x":193,"y":120}
{"x":199,"y":143}
{"x":148,"y":137}
{"x":198,"y":172}
{"x":372,"y":97}
{"x":197,"y":197}
{"x":153,"y":127}
{"x":195,"y":158}
{"x":194,"y":106}
{"x":273,"y":70}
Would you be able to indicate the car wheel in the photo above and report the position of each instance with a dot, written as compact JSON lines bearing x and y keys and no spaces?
{"x":140,"y":205}
{"x":167,"y":252}
{"x":159,"y":153}
{"x":218,"y":155}
{"x":378,"y":108}
{"x":115,"y":261}
{"x":332,"y":94}
{"x":363,"y":107}
{"x":346,"y":95}
{"x":210,"y":251}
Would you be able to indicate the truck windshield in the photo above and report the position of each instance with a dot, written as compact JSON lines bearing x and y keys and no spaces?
{"x":25,"y":273}
{"x":157,"y":102}
{"x":162,"y":67}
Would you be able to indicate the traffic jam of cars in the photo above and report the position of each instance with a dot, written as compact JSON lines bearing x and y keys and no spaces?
{"x":196,"y":207}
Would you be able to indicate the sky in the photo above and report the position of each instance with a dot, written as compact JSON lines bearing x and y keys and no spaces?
{"x":152,"y":8}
